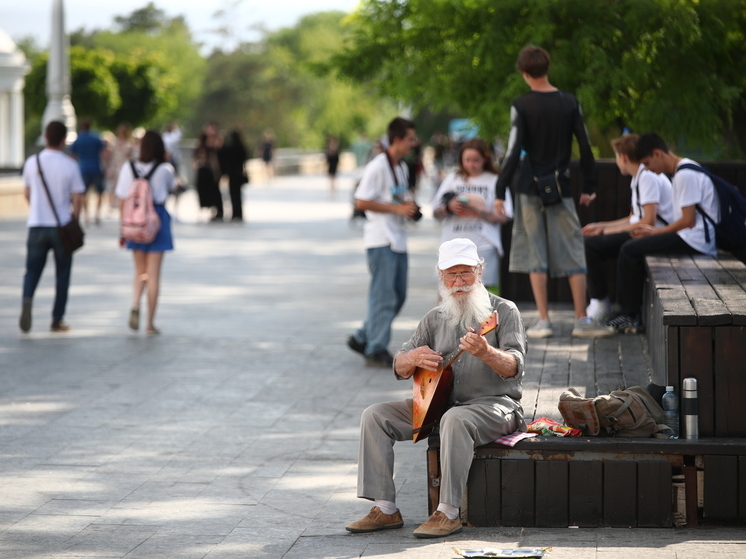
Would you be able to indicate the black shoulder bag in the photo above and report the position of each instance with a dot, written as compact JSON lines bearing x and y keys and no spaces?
{"x":550,"y":191}
{"x":71,"y":234}
{"x":418,"y":214}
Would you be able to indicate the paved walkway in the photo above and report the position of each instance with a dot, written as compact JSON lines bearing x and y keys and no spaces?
{"x":234,"y":434}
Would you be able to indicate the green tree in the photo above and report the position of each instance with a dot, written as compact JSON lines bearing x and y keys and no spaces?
{"x":276,"y":84}
{"x":105,"y":87}
{"x":161,"y":55}
{"x":674,"y":66}
{"x":94,"y":89}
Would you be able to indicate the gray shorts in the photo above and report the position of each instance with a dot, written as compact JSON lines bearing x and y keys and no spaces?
{"x":546,"y":241}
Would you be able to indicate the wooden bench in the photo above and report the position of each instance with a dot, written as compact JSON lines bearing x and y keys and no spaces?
{"x":599,"y":481}
{"x":695,"y":325}
{"x":695,"y":317}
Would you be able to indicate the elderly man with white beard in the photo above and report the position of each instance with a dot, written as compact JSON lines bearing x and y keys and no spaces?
{"x":484,"y":403}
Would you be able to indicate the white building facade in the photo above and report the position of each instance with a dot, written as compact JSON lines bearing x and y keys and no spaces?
{"x":13,"y":68}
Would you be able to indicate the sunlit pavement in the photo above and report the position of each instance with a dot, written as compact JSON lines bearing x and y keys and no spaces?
{"x":234,"y":433}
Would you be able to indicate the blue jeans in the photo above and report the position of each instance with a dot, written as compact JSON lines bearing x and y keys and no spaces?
{"x":388,"y":289}
{"x":40,"y":241}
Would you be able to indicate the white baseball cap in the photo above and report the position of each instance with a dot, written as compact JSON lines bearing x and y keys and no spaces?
{"x":458,"y":252}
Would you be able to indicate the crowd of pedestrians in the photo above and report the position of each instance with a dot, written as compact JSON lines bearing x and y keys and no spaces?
{"x":547,"y":239}
{"x":56,"y":185}
{"x":473,"y":201}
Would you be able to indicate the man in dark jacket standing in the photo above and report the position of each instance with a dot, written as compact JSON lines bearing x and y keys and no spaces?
{"x":547,"y":238}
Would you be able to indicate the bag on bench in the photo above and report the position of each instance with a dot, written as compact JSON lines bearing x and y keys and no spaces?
{"x":622,"y":413}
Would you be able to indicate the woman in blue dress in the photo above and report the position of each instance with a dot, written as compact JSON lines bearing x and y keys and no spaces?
{"x":149,"y":257}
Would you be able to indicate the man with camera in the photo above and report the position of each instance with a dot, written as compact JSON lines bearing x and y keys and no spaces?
{"x":384,"y":196}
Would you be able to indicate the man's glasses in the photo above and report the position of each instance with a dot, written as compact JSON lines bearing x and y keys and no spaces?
{"x":466,"y":276}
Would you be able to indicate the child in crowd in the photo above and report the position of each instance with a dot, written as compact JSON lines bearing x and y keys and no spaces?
{"x":652,"y":204}
{"x":465,"y":203}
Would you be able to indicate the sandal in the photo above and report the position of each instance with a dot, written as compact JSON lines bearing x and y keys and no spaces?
{"x":135,"y":319}
{"x":152,"y":331}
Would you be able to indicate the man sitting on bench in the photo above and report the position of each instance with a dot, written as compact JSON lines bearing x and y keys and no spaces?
{"x":651,"y":204}
{"x":685,"y":235}
{"x":484,"y":402}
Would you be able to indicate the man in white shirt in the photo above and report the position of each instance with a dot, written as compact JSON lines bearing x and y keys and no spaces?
{"x":651,"y":204}
{"x":64,"y":181}
{"x":684,"y":235}
{"x":384,"y":195}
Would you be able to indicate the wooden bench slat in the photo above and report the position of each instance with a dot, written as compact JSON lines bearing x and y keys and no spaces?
{"x":711,"y":312}
{"x":687,"y":269}
{"x":735,"y":268}
{"x":620,"y":501}
{"x":729,"y":446}
{"x":654,"y":495}
{"x":730,"y":384}
{"x":585,"y":499}
{"x":720,"y":496}
{"x":518,"y":502}
{"x":552,"y":492}
{"x":676,"y":307}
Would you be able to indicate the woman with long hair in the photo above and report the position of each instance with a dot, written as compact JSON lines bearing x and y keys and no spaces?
{"x":148,"y":257}
{"x":464,"y":202}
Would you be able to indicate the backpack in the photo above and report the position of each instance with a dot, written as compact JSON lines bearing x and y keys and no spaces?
{"x":140,"y":222}
{"x":730,"y":232}
{"x":632,"y":412}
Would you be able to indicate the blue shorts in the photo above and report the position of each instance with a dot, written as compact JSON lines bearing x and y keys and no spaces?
{"x":163,"y":240}
{"x":94,"y":179}
{"x":546,"y":240}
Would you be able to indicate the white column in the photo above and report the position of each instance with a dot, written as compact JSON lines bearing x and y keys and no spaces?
{"x":5,"y":139}
{"x":16,"y":126}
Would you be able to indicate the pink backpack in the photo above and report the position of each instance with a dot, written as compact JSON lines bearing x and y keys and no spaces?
{"x":140,"y":222}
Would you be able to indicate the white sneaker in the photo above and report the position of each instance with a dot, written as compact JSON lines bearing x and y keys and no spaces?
{"x":599,"y":309}
{"x":540,"y":329}
{"x":586,"y":327}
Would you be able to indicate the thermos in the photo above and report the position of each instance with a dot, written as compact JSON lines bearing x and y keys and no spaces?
{"x":690,"y":408}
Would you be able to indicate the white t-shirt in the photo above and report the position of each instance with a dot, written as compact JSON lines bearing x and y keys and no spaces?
{"x":377,"y":185}
{"x":485,"y":235}
{"x":63,"y":179}
{"x":690,"y":188}
{"x":653,"y":189}
{"x":162,"y":181}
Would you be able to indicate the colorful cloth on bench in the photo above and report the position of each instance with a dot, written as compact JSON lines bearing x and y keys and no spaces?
{"x":513,"y":438}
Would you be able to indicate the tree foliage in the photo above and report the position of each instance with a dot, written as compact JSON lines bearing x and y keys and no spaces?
{"x":674,"y":66}
{"x":105,"y":87}
{"x":275,"y":84}
{"x":163,"y":56}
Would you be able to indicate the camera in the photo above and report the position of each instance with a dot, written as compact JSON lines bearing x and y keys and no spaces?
{"x":417,"y":215}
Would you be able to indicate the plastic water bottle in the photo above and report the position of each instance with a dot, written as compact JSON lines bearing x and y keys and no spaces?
{"x":671,"y":411}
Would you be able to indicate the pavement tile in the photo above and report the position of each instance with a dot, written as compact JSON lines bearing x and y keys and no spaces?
{"x":235,"y":432}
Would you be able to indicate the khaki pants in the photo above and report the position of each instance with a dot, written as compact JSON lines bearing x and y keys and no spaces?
{"x":462,"y":429}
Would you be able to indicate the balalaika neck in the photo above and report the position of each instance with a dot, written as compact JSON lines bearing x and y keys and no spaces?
{"x":449,"y":359}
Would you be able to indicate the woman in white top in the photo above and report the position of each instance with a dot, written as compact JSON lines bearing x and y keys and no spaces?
{"x":148,"y":256}
{"x":119,"y":151}
{"x":465,"y":203}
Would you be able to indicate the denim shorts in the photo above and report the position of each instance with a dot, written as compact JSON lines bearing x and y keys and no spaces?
{"x":95,"y":180}
{"x":546,"y":240}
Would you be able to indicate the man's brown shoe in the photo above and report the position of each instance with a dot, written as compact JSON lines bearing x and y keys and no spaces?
{"x":375,"y":521}
{"x":60,"y":326}
{"x":438,"y":526}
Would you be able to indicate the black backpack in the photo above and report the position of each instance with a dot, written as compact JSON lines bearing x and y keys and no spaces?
{"x":730,"y":232}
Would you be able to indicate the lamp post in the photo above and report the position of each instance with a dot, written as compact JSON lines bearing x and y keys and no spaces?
{"x":59,"y":107}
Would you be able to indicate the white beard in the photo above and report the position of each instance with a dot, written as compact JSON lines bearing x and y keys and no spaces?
{"x":464,"y":312}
